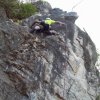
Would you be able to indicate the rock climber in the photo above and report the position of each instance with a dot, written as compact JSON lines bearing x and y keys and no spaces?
{"x":44,"y":26}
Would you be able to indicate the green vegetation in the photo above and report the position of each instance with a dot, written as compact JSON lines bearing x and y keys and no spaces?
{"x":25,"y":10}
{"x":9,"y":6}
{"x":98,"y":97}
{"x":17,"y":10}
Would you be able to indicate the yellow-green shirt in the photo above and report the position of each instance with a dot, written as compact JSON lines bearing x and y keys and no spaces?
{"x":49,"y":21}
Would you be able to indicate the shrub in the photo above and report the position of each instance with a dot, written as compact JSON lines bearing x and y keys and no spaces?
{"x":9,"y":6}
{"x":17,"y":10}
{"x":24,"y":10}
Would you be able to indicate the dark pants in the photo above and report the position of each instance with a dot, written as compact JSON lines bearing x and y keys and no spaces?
{"x":44,"y":30}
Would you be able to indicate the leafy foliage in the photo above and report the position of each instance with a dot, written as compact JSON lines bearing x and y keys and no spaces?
{"x":17,"y":10}
{"x":9,"y":6}
{"x":25,"y":10}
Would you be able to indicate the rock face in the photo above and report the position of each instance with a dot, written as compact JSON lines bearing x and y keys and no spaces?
{"x":43,"y":6}
{"x":2,"y":15}
{"x":60,"y":67}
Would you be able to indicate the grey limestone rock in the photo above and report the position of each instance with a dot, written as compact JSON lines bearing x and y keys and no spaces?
{"x":56,"y":67}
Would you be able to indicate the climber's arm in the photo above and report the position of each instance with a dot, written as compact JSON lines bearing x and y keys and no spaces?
{"x":61,"y":23}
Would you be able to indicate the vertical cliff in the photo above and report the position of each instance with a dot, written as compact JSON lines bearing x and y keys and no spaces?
{"x":56,"y":67}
